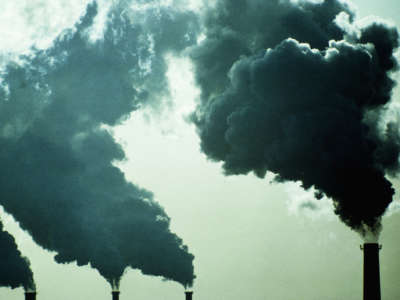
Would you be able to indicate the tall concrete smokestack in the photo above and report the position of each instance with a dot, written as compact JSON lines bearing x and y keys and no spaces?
{"x":372,"y":285}
{"x":188,"y":295}
{"x":115,"y":295}
{"x":30,"y":295}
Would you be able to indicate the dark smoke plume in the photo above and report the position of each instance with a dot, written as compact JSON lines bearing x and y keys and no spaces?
{"x":300,"y":90}
{"x":57,"y":177}
{"x":15,"y":268}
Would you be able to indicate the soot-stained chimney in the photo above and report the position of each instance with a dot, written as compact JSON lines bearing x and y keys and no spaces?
{"x":30,"y":295}
{"x":115,"y":295}
{"x":372,"y":285}
{"x":188,"y":295}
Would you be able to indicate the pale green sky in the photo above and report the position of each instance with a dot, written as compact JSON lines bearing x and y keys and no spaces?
{"x":247,"y":241}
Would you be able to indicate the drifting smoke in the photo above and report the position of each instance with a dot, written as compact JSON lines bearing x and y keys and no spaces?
{"x":58,"y":179}
{"x":300,"y":89}
{"x":15,"y":268}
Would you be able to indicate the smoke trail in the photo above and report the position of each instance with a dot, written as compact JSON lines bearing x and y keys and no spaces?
{"x":15,"y":268}
{"x":58,"y":179}
{"x":309,"y":108}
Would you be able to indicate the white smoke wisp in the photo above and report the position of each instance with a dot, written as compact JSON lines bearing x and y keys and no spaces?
{"x":115,"y":285}
{"x":36,"y":23}
{"x":370,"y":235}
{"x":303,"y":202}
{"x":393,"y":208}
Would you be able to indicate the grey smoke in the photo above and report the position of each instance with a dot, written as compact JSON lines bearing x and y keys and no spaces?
{"x":308,"y":205}
{"x":286,"y":89}
{"x":15,"y":268}
{"x":58,"y":179}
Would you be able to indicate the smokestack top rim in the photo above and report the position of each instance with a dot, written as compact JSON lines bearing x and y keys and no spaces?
{"x":372,"y":245}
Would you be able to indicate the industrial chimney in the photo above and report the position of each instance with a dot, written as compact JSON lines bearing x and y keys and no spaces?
{"x":115,"y":295}
{"x":30,"y":295}
{"x":372,"y":285}
{"x":188,"y":295}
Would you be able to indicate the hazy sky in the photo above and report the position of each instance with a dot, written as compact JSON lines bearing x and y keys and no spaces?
{"x":248,"y":236}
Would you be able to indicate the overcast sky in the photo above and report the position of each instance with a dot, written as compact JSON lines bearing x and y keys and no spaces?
{"x":249,"y":237}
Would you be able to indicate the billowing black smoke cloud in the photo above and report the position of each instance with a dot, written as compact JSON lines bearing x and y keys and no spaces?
{"x":58,"y":179}
{"x":15,"y":269}
{"x":286,"y":89}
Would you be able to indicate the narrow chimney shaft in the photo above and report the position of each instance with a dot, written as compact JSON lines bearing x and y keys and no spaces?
{"x":115,"y":295}
{"x":188,"y":295}
{"x":372,"y":285}
{"x":30,"y":295}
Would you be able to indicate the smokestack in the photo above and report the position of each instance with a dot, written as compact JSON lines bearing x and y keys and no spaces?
{"x":30,"y":295}
{"x":115,"y":295}
{"x":188,"y":295}
{"x":372,"y":285}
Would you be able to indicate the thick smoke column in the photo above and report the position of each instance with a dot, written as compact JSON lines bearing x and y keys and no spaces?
{"x":299,"y":89}
{"x":58,"y":179}
{"x":15,"y":268}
